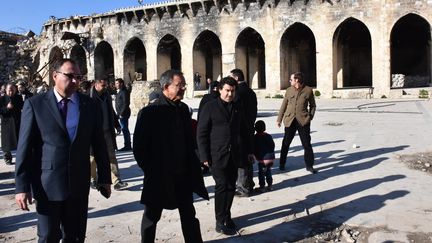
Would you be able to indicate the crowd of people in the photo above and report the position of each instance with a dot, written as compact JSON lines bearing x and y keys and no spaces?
{"x":65,"y":140}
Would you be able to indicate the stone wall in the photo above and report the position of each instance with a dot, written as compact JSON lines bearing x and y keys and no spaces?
{"x":341,"y":31}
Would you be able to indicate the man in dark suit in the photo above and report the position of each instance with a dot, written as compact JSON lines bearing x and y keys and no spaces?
{"x":297,"y":111}
{"x":247,"y":99}
{"x":52,"y":165}
{"x":221,"y":130}
{"x":122,"y":103}
{"x":164,"y":148}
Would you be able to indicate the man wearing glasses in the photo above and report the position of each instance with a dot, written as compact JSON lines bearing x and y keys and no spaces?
{"x":164,"y":148}
{"x":297,"y":111}
{"x":52,"y":164}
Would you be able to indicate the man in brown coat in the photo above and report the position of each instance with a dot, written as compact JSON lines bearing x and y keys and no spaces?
{"x":297,"y":111}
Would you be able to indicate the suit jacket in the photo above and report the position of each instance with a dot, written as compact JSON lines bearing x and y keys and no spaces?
{"x":248,"y":100}
{"x":221,"y":135}
{"x":48,"y":162}
{"x":295,"y":105}
{"x":113,"y":121}
{"x":10,"y":121}
{"x":163,"y":133}
{"x":122,"y":103}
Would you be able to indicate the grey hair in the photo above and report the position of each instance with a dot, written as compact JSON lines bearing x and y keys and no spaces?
{"x":167,"y":77}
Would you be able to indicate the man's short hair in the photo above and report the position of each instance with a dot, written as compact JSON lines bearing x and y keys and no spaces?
{"x":99,"y":80}
{"x":167,"y":77}
{"x":120,"y":80}
{"x":238,"y":73}
{"x":299,"y":77}
{"x":59,"y":63}
{"x":227,"y":80}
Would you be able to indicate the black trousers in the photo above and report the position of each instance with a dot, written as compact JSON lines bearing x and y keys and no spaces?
{"x":225,"y":179}
{"x":245,"y":181}
{"x":304,"y":134}
{"x":66,"y":220}
{"x":189,"y":223}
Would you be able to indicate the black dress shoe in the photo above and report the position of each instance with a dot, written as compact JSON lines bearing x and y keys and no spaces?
{"x":240,"y":193}
{"x":311,"y":170}
{"x":229,"y":223}
{"x":220,"y":228}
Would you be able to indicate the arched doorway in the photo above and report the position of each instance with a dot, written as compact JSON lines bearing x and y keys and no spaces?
{"x":134,"y":58}
{"x":250,"y":57}
{"x":104,"y":62}
{"x":352,"y":55}
{"x":168,"y":54}
{"x":410,"y":42}
{"x":55,"y":55}
{"x":78,"y":54}
{"x":298,"y":54}
{"x":207,"y":57}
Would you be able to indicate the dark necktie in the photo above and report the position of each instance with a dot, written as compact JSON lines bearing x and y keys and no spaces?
{"x":64,"y":108}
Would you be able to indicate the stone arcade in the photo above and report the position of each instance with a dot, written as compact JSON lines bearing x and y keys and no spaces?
{"x":346,"y":48}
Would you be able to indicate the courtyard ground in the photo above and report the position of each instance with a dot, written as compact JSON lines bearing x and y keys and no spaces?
{"x":373,"y":184}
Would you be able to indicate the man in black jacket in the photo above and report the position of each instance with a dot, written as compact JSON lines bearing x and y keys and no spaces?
{"x":10,"y":113}
{"x":101,"y":96}
{"x":221,"y":130}
{"x":164,"y":148}
{"x":122,"y":103}
{"x":246,"y":97}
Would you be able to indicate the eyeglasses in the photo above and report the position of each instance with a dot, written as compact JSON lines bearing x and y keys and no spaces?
{"x":72,"y":75}
{"x":180,"y":86}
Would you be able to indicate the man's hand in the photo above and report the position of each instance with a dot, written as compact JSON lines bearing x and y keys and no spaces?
{"x":118,"y":129}
{"x":278,"y":124}
{"x":251,"y":158}
{"x":9,"y":106}
{"x":22,"y":199}
{"x":206,"y":163}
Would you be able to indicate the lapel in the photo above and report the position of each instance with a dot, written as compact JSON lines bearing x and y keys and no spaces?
{"x":51,"y":101}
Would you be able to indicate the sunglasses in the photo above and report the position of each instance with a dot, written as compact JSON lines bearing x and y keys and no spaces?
{"x":72,"y":75}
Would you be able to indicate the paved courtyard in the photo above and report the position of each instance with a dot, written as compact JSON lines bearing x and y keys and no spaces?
{"x":361,"y":184}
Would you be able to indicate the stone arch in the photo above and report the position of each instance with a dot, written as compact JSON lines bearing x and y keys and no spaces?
{"x":168,"y":54}
{"x":352,"y":55}
{"x":55,"y":55}
{"x":250,"y":57}
{"x":298,"y":54}
{"x":207,"y":57}
{"x":78,"y":54}
{"x":410,"y":52}
{"x":134,"y":60}
{"x":104,"y":61}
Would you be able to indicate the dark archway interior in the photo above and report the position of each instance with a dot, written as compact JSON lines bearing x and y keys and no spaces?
{"x":135,"y":60}
{"x":104,"y":62}
{"x":410,"y":50}
{"x":298,"y":54}
{"x":353,"y":57}
{"x":169,"y":54}
{"x":78,"y":54}
{"x":250,"y":57}
{"x":55,"y":55}
{"x":207,"y":57}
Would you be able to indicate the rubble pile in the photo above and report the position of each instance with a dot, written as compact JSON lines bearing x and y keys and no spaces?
{"x":419,"y":161}
{"x":16,"y":55}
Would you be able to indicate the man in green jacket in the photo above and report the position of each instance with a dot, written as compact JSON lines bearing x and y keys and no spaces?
{"x":296,"y":112}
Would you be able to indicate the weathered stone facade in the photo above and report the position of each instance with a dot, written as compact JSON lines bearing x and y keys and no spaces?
{"x":346,"y":48}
